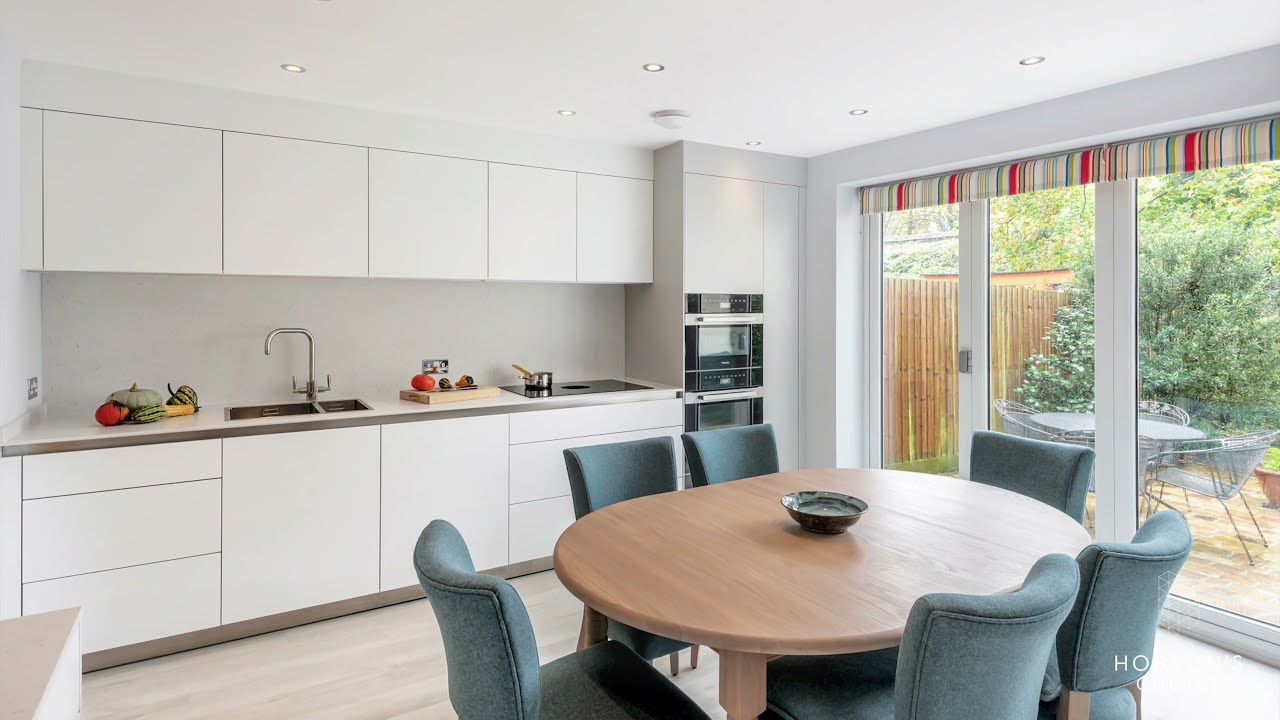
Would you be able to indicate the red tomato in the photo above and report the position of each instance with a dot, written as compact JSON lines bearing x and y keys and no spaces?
{"x":423,"y":382}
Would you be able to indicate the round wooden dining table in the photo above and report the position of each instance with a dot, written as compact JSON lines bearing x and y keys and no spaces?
{"x":726,"y":567}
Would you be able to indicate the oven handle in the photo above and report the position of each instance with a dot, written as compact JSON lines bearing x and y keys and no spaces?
{"x":734,"y":395}
{"x":728,"y":319}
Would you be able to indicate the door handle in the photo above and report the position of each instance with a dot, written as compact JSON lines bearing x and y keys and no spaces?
{"x":965,"y":361}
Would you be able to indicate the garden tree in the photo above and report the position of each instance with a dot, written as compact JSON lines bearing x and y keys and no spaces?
{"x":1048,"y":230}
{"x":1209,"y":308}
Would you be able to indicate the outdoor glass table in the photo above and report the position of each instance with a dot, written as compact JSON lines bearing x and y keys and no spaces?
{"x":1088,"y":422}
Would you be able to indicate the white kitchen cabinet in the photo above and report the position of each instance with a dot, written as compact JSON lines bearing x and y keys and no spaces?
{"x":92,"y":471}
{"x":538,"y":469}
{"x":31,"y":188}
{"x":129,"y":196}
{"x":300,"y":520}
{"x":532,"y":224}
{"x":428,"y":216}
{"x":595,"y":420}
{"x":134,"y":604}
{"x":295,"y":207}
{"x":782,"y":319}
{"x":537,"y":525}
{"x":615,"y":229}
{"x":723,"y":235}
{"x":76,"y":534}
{"x":453,"y":469}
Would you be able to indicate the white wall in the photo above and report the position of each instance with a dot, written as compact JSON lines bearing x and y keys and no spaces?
{"x":1231,"y":88}
{"x":103,"y":332}
{"x":19,"y":291}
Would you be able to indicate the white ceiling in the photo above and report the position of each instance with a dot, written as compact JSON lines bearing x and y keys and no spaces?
{"x":785,"y":73}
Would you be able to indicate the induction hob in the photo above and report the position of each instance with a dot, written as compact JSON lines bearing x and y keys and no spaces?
{"x":577,"y":387}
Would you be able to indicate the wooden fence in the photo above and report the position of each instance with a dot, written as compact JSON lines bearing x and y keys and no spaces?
{"x":921,"y":331}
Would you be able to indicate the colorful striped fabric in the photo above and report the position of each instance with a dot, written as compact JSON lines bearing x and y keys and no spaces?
{"x":1239,"y":144}
{"x":1069,"y":169}
{"x":1251,"y":142}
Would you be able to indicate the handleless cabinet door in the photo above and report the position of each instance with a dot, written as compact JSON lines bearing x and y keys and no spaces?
{"x":129,"y":196}
{"x":428,"y":216}
{"x":299,"y":520}
{"x":532,"y":224}
{"x":31,"y":188}
{"x":615,"y":229}
{"x":782,"y":319}
{"x":723,"y":235}
{"x":452,"y":469}
{"x":295,"y":207}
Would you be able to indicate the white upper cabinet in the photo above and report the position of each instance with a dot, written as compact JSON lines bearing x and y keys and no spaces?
{"x":295,"y":207}
{"x":615,"y":229}
{"x":723,"y":235}
{"x":532,"y":224}
{"x":428,"y":216}
{"x":782,"y":319}
{"x":31,"y":189}
{"x":128,"y":196}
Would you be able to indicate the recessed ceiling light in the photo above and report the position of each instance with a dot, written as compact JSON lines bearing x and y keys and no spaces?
{"x":654,"y":67}
{"x":567,"y":113}
{"x":857,"y":112}
{"x":290,"y":67}
{"x":753,"y":143}
{"x":1029,"y":61}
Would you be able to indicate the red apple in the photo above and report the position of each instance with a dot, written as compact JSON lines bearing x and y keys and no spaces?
{"x":423,"y":382}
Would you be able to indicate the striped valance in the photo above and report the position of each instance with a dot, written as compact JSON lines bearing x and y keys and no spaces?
{"x":1058,"y":171}
{"x":1250,"y":142}
{"x":1239,"y":144}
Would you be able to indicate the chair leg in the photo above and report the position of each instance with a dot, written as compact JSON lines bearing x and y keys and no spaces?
{"x":1239,"y":537}
{"x":1073,"y":705}
{"x":693,"y":657}
{"x":675,"y":663}
{"x":1135,"y":689}
{"x":1254,"y":519}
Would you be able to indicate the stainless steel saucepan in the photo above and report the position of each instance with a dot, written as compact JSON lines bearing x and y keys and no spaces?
{"x":540,"y":380}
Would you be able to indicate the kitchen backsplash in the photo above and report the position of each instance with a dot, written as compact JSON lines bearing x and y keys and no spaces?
{"x":102,"y":332}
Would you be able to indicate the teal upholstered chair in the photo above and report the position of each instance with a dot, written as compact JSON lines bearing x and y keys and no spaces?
{"x":601,"y":475}
{"x":1106,"y":642}
{"x":717,"y":456}
{"x":962,"y":657}
{"x":1056,"y":474}
{"x":492,"y":655}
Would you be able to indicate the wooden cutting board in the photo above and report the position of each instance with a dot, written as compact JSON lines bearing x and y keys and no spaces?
{"x":435,"y":397}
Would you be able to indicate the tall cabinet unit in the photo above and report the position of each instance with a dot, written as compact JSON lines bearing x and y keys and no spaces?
{"x":725,"y":221}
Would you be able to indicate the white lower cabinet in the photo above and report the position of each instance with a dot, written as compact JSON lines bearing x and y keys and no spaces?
{"x":538,"y":470}
{"x":535,"y":527}
{"x":300,"y":520}
{"x":134,"y":604}
{"x":453,"y":469}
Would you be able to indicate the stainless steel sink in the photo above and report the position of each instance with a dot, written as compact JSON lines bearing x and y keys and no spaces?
{"x":289,"y":409}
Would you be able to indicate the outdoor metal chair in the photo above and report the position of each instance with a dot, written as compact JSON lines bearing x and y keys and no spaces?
{"x":1214,"y":468}
{"x":1017,"y":421}
{"x":1157,"y":411}
{"x":1146,"y":448}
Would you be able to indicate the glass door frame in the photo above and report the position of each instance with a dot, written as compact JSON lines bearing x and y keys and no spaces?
{"x":1115,"y":383}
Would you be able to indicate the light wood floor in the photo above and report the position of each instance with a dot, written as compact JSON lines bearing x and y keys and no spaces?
{"x":389,"y":663}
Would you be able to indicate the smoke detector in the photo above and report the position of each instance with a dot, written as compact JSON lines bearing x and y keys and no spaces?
{"x":671,"y":119}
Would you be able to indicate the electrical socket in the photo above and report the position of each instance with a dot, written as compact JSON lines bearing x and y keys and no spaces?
{"x":33,"y":388}
{"x":435,"y":367}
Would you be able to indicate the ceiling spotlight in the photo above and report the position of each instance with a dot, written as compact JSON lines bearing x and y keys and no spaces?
{"x":671,"y":119}
{"x":654,"y":67}
{"x":1029,"y":61}
{"x":290,"y":67}
{"x":567,"y":113}
{"x":858,"y":112}
{"x":752,"y":143}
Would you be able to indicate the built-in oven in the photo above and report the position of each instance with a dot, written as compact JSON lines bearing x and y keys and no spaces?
{"x":724,"y":342}
{"x":715,"y":410}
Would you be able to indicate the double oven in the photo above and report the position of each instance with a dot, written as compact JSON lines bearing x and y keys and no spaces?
{"x":724,"y":361}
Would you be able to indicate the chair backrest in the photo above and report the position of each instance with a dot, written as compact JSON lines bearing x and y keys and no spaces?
{"x":1057,"y":474}
{"x":717,"y":456}
{"x":601,"y":475}
{"x":489,"y":645}
{"x":966,"y":656}
{"x":1013,"y":406}
{"x":1107,"y":639}
{"x":1020,"y":424}
{"x":1157,"y":411}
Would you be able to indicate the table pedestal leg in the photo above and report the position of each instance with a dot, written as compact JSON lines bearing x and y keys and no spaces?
{"x":594,"y":628}
{"x":742,"y":690}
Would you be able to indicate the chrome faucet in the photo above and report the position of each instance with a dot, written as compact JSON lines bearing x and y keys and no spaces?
{"x":310,"y":390}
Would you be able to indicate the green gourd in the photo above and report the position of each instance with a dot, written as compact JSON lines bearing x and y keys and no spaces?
{"x":148,"y":414}
{"x":136,"y":397}
{"x":184,"y":395}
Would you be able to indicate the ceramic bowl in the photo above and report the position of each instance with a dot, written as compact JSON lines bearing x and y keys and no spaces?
{"x":824,"y":512}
